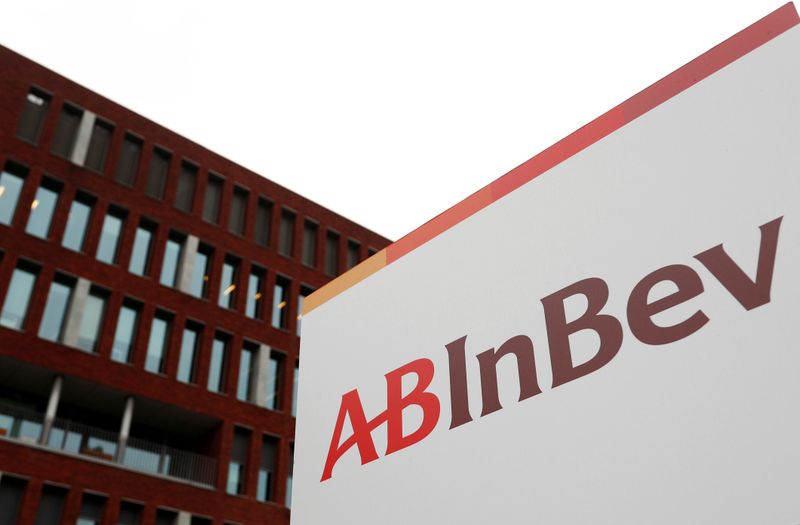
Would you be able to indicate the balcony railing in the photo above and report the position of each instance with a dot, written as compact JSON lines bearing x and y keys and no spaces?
{"x":83,"y":440}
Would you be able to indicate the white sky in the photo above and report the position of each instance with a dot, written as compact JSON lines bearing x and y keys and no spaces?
{"x":387,"y":113}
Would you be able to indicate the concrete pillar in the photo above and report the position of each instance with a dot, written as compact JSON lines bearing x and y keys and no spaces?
{"x":124,"y":429}
{"x":52,"y":408}
{"x":75,"y":312}
{"x":83,"y":138}
{"x":184,"y":518}
{"x":186,"y":264}
{"x":260,"y":376}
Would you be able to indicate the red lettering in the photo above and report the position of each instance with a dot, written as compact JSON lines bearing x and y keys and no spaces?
{"x":362,"y":433}
{"x":396,"y":403}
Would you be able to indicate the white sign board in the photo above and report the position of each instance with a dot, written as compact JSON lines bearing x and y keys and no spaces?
{"x":605,"y":335}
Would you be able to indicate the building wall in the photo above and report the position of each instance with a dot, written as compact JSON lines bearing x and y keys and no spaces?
{"x":40,"y":465}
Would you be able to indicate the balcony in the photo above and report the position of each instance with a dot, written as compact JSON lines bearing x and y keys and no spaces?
{"x":78,"y":439}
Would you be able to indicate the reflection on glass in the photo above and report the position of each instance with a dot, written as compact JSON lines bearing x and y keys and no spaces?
{"x":55,"y":311}
{"x":141,"y":251}
{"x":253,"y":305}
{"x":169,"y":269}
{"x":186,"y":359}
{"x":10,"y":188}
{"x":109,"y":238}
{"x":42,"y":208}
{"x":91,"y":322}
{"x":156,"y":346}
{"x":216,"y":367}
{"x":77,"y":222}
{"x":199,"y":275}
{"x":245,"y":372}
{"x":123,"y":337}
{"x":227,"y":286}
{"x":18,"y":295}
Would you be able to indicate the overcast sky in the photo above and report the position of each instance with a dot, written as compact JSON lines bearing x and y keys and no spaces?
{"x":387,"y":113}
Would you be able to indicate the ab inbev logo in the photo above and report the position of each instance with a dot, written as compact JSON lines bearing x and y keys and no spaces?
{"x":749,"y":291}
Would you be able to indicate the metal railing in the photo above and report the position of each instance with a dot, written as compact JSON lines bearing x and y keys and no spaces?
{"x":83,"y":440}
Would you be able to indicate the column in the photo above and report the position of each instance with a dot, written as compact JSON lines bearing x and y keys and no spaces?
{"x":52,"y":408}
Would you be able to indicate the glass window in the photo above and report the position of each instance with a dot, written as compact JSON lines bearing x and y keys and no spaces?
{"x":125,"y":335}
{"x":255,"y":287}
{"x":11,"y":181}
{"x":332,"y":253}
{"x":157,"y":174}
{"x":34,"y":111}
{"x":212,"y":199}
{"x":238,"y":211}
{"x":286,"y":234}
{"x":353,"y":250}
{"x":186,"y":184}
{"x":109,"y":237}
{"x":186,"y":360}
{"x":128,"y":162}
{"x":274,"y":376}
{"x":66,"y":130}
{"x":157,"y":344}
{"x":91,"y":321}
{"x":98,"y":146}
{"x":219,"y":360}
{"x":280,"y":303}
{"x":55,"y":310}
{"x":245,"y":384}
{"x":305,"y":291}
{"x":290,"y":477}
{"x":236,"y":468}
{"x":265,"y":491}
{"x":227,"y":287}
{"x":142,"y":246}
{"x":263,"y":221}
{"x":310,"y":230}
{"x":295,"y":379}
{"x":42,"y":209}
{"x":91,"y":509}
{"x":77,"y":223}
{"x":18,"y":295}
{"x":130,"y":513}
{"x":51,"y":504}
{"x":172,"y":257}
{"x":200,"y":271}
{"x":12,"y":490}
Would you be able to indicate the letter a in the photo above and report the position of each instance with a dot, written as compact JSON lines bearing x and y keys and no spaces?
{"x":362,"y":437}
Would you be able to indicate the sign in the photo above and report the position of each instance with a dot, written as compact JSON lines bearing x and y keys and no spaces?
{"x":606,"y":335}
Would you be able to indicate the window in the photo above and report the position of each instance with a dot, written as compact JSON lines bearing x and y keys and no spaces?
{"x":263,"y":221}
{"x":42,"y":209}
{"x":295,"y":379}
{"x":286,"y":234}
{"x":157,"y":174}
{"x":332,"y":253}
{"x":219,"y":363}
{"x":11,"y":181}
{"x":157,"y":343}
{"x":265,"y":491}
{"x":227,"y":286}
{"x":200,"y":271}
{"x":280,"y":303}
{"x":125,"y":334}
{"x":11,"y":491}
{"x":274,"y":379}
{"x":371,"y":252}
{"x":353,"y":250}
{"x":34,"y":111}
{"x":97,"y":152}
{"x":244,"y":387}
{"x":54,"y":318}
{"x":187,"y":361}
{"x":290,"y":477}
{"x":142,"y":247}
{"x":187,"y":180}
{"x":51,"y":504}
{"x":108,"y":246}
{"x":91,"y":320}
{"x":172,"y":258}
{"x":237,"y":466}
{"x":166,"y":517}
{"x":129,"y":513}
{"x":66,"y":130}
{"x":18,"y":295}
{"x":80,"y":211}
{"x":238,"y":211}
{"x":255,"y":288}
{"x":309,"y":256}
{"x":305,"y":291}
{"x":212,"y":199}
{"x":91,"y":510}
{"x":128,"y":162}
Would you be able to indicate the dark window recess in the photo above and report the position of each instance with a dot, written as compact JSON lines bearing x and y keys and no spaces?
{"x":267,"y":468}
{"x":238,"y":464}
{"x":286,"y":234}
{"x":353,"y":250}
{"x":310,"y":230}
{"x":166,"y":517}
{"x":128,"y":162}
{"x":238,"y":211}
{"x":51,"y":505}
{"x":197,"y":520}
{"x":332,"y":254}
{"x":11,"y":492}
{"x":129,"y":513}
{"x":98,"y":146}
{"x":263,"y":221}
{"x":91,"y":509}
{"x":212,"y":199}
{"x":371,"y":252}
{"x":34,"y":111}
{"x":187,"y":180}
{"x":157,"y":174}
{"x":66,"y":130}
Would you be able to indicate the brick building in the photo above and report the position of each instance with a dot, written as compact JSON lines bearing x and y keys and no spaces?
{"x":149,"y":298}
